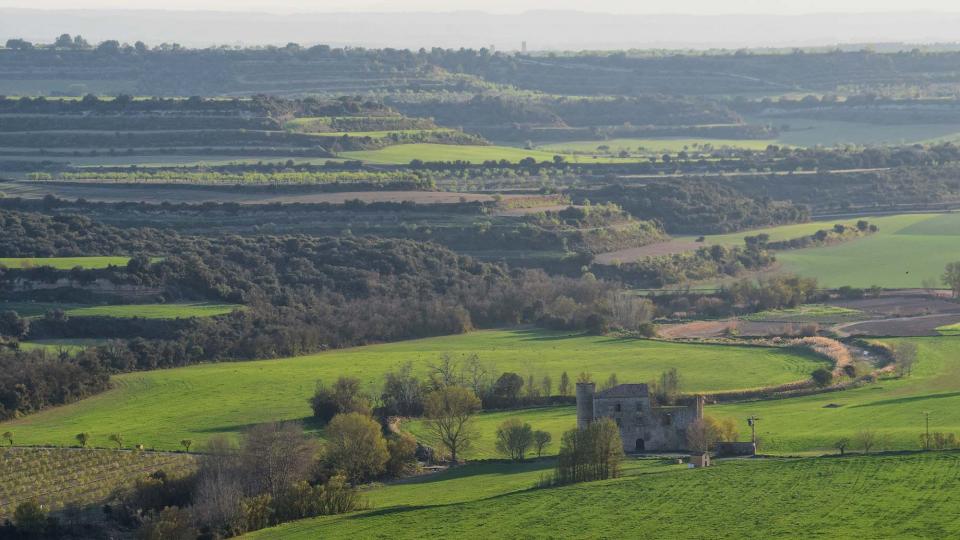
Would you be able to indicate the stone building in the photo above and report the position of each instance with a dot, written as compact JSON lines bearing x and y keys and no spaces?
{"x":644,"y":425}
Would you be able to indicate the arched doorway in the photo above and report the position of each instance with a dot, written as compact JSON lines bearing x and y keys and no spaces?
{"x":639,"y":446}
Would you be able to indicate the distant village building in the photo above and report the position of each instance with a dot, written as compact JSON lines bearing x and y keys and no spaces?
{"x":644,"y":425}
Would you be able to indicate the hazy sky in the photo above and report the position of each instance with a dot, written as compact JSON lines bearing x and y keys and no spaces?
{"x":706,"y":7}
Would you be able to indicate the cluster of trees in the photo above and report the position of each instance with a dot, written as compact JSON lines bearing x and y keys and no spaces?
{"x":32,"y":380}
{"x":700,"y":206}
{"x":742,"y":296}
{"x":593,"y":453}
{"x":705,"y":263}
{"x":838,"y":233}
{"x":515,"y":438}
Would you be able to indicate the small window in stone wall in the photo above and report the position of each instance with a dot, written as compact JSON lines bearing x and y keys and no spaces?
{"x":639,"y":406}
{"x":617,"y":407}
{"x":667,"y":419}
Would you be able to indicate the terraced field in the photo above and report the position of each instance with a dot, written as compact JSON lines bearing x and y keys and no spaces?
{"x":670,"y":145}
{"x":159,"y":408}
{"x":126,"y":311}
{"x":57,"y":477}
{"x":63,"y":263}
{"x":401,"y":154}
{"x":852,"y":497}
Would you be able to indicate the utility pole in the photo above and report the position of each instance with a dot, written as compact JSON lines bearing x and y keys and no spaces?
{"x":926,"y":438}
{"x":752,"y":422}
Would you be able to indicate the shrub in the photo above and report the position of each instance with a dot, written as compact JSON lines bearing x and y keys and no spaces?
{"x":514,"y":438}
{"x":402,"y":448}
{"x":356,"y":447}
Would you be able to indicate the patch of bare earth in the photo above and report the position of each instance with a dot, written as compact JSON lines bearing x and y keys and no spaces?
{"x":921,"y":325}
{"x":650,"y":250}
{"x":240,"y":195}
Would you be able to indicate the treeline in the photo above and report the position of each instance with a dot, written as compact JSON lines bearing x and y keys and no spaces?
{"x":33,"y":380}
{"x":396,"y":180}
{"x":838,"y":233}
{"x":698,"y":206}
{"x":705,"y":263}
{"x":740,"y":297}
{"x":485,"y":111}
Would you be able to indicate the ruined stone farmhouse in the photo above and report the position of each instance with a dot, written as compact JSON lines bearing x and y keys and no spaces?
{"x":645,"y":426}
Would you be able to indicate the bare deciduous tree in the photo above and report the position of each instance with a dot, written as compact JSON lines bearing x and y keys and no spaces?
{"x":514,"y":438}
{"x":450,"y":413}
{"x":541,"y":439}
{"x":866,"y":439}
{"x":275,"y":456}
{"x":702,"y":434}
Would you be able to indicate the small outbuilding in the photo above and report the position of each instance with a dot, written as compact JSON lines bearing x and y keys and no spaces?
{"x":699,"y":460}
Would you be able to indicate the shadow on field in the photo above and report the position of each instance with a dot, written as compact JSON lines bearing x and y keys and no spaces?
{"x":484,"y":467}
{"x":908,"y":399}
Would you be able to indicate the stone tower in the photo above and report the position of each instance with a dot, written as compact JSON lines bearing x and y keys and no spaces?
{"x":585,"y":392}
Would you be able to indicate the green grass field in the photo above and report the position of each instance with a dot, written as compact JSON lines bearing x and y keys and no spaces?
{"x":159,"y":408}
{"x":126,"y":311}
{"x":893,"y":408}
{"x":667,"y":144}
{"x":907,"y":496}
{"x":908,"y":249}
{"x":807,"y":313}
{"x":400,"y":154}
{"x":63,"y":263}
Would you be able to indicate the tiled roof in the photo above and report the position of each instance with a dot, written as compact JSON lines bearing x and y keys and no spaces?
{"x":624,"y":391}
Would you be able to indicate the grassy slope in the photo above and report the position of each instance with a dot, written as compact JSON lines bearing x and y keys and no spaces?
{"x":667,"y":144}
{"x":404,"y":153}
{"x":63,"y":263}
{"x":147,"y":311}
{"x":908,"y":249}
{"x":159,"y":408}
{"x":891,"y":407}
{"x":913,"y":496}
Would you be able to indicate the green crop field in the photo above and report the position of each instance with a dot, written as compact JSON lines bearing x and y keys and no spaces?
{"x":854,"y":497}
{"x":63,"y":263}
{"x":659,"y":145}
{"x":400,"y":154}
{"x":908,"y":249}
{"x":159,"y":408}
{"x":892,"y":408}
{"x":126,"y":311}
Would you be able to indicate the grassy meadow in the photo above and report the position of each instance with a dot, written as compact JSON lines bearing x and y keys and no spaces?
{"x":854,"y":497}
{"x":908,"y":249}
{"x":125,"y":311}
{"x":159,"y":408}
{"x":893,"y":408}
{"x":63,"y":263}
{"x":401,"y":154}
{"x":670,"y":145}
